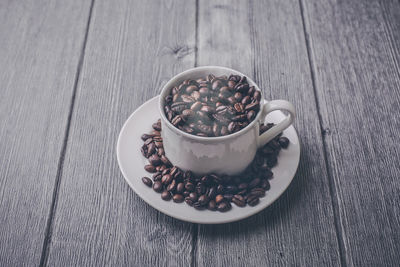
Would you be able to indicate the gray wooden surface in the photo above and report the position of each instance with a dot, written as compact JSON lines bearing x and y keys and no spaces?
{"x":71,"y":72}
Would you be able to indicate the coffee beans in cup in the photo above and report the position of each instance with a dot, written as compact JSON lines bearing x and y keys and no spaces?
{"x":212,"y":106}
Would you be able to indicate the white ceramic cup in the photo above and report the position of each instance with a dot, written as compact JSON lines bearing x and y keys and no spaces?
{"x":229,"y":154}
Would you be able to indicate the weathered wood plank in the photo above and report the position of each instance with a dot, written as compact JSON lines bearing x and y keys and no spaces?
{"x":40,"y":46}
{"x":266,"y":40}
{"x":355,"y":60}
{"x":133,"y":48}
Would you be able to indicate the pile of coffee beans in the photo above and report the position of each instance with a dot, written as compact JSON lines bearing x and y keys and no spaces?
{"x":211,"y":191}
{"x":212,"y":106}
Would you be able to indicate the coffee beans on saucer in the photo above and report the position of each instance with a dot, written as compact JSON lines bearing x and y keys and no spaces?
{"x":212,"y":106}
{"x":213,"y":192}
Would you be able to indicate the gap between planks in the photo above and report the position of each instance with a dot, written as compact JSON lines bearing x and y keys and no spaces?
{"x":53,"y":206}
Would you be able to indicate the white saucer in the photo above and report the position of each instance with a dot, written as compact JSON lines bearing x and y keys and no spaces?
{"x":131,"y":163}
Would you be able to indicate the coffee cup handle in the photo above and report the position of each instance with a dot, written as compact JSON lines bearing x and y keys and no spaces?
{"x":270,"y":106}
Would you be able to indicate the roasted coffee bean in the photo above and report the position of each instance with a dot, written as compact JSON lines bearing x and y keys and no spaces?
{"x":165,"y":160}
{"x":166,"y":179}
{"x":228,"y":197}
{"x":212,"y":205}
{"x":157,"y":176}
{"x":224,"y":206}
{"x":155,"y":160}
{"x":157,"y":186}
{"x":232,"y":189}
{"x":172,"y":186}
{"x":160,"y":152}
{"x":203,"y":199}
{"x":196,"y":106}
{"x":157,"y":126}
{"x":178,"y":106}
{"x":212,"y":192}
{"x":284,"y":142}
{"x":198,"y":206}
{"x":251,"y":115}
{"x":224,"y":130}
{"x":216,"y":84}
{"x":188,"y":113}
{"x":164,"y":172}
{"x":190,"y":89}
{"x":180,"y":188}
{"x":178,"y":198}
{"x":252,"y":106}
{"x":200,"y":189}
{"x":242,"y":186}
{"x":188,"y":201}
{"x":220,"y":189}
{"x":165,"y":195}
{"x":265,"y":184}
{"x":219,"y":199}
{"x":144,"y":137}
{"x":150,"y":168}
{"x":253,"y":200}
{"x":254,"y":183}
{"x":177,"y":120}
{"x":231,"y":84}
{"x":156,"y":133}
{"x":233,"y":127}
{"x":242,"y":88}
{"x":196,"y":95}
{"x":240,"y":118}
{"x":239,"y":200}
{"x":257,"y":95}
{"x":246,"y":100}
{"x":189,"y":187}
{"x":259,"y":192}
{"x":187,"y":99}
{"x":148,"y":141}
{"x":185,"y":193}
{"x":193,"y":196}
{"x":203,"y":91}
{"x":147,"y":181}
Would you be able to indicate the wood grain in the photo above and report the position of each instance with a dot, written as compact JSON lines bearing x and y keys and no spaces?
{"x":266,"y":41}
{"x":133,"y":48}
{"x":355,"y":59}
{"x":40,"y":46}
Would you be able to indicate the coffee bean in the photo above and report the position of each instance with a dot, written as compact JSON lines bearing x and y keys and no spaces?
{"x":156,"y":126}
{"x":242,"y":186}
{"x":203,"y":199}
{"x":188,"y":113}
{"x":179,"y":106}
{"x":233,"y":127}
{"x":177,"y":198}
{"x":246,"y":100}
{"x":265,"y":184}
{"x":150,"y":168}
{"x":190,"y":89}
{"x":157,"y":176}
{"x":228,"y":197}
{"x":219,"y":199}
{"x":252,"y":106}
{"x":144,"y":137}
{"x":254,"y":183}
{"x":165,"y":160}
{"x":259,"y":192}
{"x":253,"y":200}
{"x":189,"y":201}
{"x":231,"y":84}
{"x":155,"y":160}
{"x":224,"y":206}
{"x":203,"y":91}
{"x":189,"y":187}
{"x":251,"y":115}
{"x":198,"y":206}
{"x":177,"y":120}
{"x":212,"y":205}
{"x":196,"y":106}
{"x":166,"y":179}
{"x":216,"y":84}
{"x":147,"y":181}
{"x":157,"y":186}
{"x":239,"y":200}
{"x":165,"y":195}
{"x":207,"y":109}
{"x":180,"y":188}
{"x":224,"y":130}
{"x":172,"y":186}
{"x":196,"y":95}
{"x":212,"y":192}
{"x":185,"y":193}
{"x":220,"y":189}
{"x":193,"y":196}
{"x":257,"y":95}
{"x":284,"y":142}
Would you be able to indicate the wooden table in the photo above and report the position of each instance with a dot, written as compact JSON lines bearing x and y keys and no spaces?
{"x":71,"y":72}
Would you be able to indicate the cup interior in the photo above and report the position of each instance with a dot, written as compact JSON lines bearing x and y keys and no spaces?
{"x":201,"y":72}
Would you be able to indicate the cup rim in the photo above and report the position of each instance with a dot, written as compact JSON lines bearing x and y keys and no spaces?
{"x":172,"y":82}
